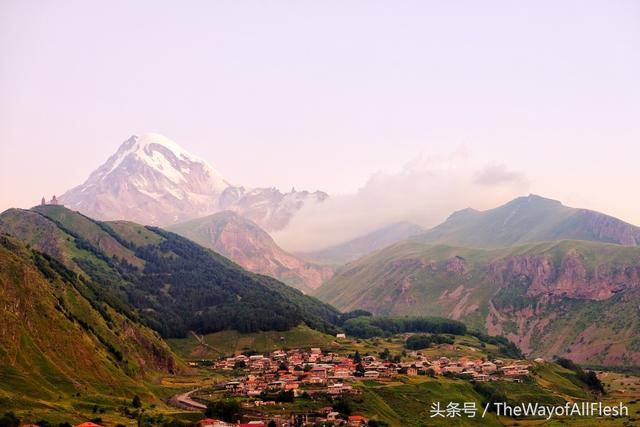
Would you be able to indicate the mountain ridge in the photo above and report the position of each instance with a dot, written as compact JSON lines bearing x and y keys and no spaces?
{"x":530,"y":219}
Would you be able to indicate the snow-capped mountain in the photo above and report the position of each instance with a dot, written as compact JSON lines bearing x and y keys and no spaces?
{"x":152,"y":180}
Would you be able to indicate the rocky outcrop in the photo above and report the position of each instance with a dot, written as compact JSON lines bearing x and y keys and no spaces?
{"x":571,"y":277}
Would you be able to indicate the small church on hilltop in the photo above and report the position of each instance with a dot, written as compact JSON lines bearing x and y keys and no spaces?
{"x":53,"y":201}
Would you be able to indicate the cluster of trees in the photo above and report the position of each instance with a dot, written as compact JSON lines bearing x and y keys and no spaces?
{"x":229,"y":410}
{"x":281,"y":396}
{"x":371,"y":326}
{"x":9,"y":419}
{"x":187,"y":289}
{"x":506,"y":348}
{"x":589,"y":378}
{"x":184,"y":286}
{"x":419,"y":342}
{"x":490,"y":395}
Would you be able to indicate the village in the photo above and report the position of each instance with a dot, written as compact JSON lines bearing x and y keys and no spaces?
{"x":281,"y":376}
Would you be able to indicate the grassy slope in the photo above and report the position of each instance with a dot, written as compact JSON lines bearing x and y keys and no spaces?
{"x":521,"y":221}
{"x":53,"y":357}
{"x":227,"y":343}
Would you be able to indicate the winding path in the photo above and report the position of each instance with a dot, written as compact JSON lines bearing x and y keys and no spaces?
{"x":184,"y":401}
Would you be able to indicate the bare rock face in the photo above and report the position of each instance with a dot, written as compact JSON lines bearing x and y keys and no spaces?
{"x":456,"y":265}
{"x":570,"y":278}
{"x":152,"y":180}
{"x":607,"y":228}
{"x":244,"y":242}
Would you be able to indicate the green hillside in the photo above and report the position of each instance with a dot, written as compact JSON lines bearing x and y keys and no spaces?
{"x":530,"y":219}
{"x":170,"y":283}
{"x":60,"y":338}
{"x":572,"y":298}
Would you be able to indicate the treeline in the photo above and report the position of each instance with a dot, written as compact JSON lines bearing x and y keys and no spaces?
{"x":186,"y":287}
{"x":419,"y":342}
{"x":372,"y":326}
{"x":589,"y":378}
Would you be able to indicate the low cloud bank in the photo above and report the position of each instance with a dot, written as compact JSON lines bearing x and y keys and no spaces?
{"x":426,"y":191}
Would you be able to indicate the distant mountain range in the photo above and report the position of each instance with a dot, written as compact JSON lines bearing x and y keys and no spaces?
{"x":152,"y":180}
{"x":530,"y":219}
{"x":244,"y":242}
{"x":363,"y":245}
{"x":512,"y":270}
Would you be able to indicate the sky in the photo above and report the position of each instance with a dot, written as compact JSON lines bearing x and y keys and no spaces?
{"x":350,"y":97}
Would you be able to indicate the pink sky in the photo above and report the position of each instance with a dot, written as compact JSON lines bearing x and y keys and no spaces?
{"x":321,"y":95}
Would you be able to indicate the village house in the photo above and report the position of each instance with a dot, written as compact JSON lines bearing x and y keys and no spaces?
{"x":371,"y":374}
{"x":488,"y":367}
{"x":356,"y":420}
{"x":212,"y":422}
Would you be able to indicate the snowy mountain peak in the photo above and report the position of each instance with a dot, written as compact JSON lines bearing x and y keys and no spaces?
{"x":153,"y":180}
{"x":163,"y":156}
{"x":144,"y":145}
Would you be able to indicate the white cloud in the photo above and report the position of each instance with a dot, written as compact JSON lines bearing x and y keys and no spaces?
{"x":425,"y":191}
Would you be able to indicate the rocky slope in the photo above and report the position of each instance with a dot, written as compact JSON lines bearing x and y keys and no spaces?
{"x":530,"y":219}
{"x":152,"y":180}
{"x":573,"y":298}
{"x":244,"y":242}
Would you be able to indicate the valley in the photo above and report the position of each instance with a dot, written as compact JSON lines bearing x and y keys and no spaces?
{"x":394,"y":398}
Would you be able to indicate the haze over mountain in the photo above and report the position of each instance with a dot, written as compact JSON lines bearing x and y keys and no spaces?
{"x":530,"y":219}
{"x":363,"y":245}
{"x":152,"y":180}
{"x":244,"y":242}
